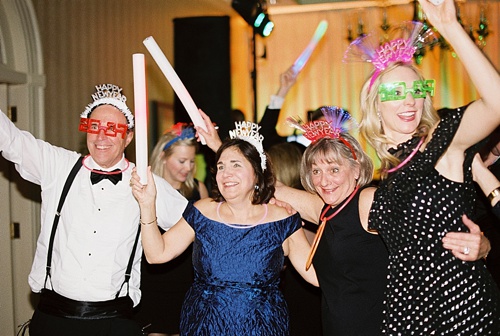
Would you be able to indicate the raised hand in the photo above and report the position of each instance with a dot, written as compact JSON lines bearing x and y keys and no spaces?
{"x":211,"y":135}
{"x":144,"y":194}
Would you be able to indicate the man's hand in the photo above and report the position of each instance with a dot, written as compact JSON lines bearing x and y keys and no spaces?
{"x":467,"y":246}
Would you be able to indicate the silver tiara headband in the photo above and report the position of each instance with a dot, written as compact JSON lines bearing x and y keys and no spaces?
{"x":249,"y":131}
{"x":109,"y":94}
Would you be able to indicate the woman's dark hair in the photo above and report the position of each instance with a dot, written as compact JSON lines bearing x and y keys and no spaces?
{"x":264,"y":190}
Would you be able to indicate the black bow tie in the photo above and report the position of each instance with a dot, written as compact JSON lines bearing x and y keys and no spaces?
{"x":96,"y":177}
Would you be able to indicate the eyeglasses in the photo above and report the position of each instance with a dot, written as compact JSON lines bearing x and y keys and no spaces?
{"x":93,"y":126}
{"x":398,"y":90}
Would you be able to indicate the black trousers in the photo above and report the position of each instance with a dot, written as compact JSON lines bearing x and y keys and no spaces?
{"x":48,"y":325}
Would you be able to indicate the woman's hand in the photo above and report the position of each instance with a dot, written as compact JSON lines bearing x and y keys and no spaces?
{"x":211,"y":135}
{"x":282,"y":204}
{"x":441,"y":15}
{"x":144,"y":194}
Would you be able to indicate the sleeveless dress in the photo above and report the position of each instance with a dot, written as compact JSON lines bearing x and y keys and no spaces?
{"x":163,"y":287}
{"x":430,"y":292}
{"x":236,"y":277}
{"x":351,"y":265}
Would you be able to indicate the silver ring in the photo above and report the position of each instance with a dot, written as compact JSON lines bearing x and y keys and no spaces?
{"x":466,"y":250}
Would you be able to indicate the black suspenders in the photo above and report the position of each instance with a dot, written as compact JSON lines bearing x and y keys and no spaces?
{"x":64,"y":193}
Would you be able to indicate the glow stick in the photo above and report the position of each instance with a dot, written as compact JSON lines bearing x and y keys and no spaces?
{"x":176,"y":83}
{"x":301,"y":61}
{"x":141,"y":116}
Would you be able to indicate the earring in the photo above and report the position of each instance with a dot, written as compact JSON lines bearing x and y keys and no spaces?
{"x":256,"y":187}
{"x":378,"y":115}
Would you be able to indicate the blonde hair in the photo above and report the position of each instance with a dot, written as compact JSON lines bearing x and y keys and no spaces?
{"x":371,"y":127}
{"x":334,"y":150}
{"x":159,"y":154}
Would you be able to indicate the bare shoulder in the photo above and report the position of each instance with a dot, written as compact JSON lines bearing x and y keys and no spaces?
{"x":366,"y":199}
{"x":366,"y":195}
{"x":206,"y":206}
{"x":275,"y":213}
{"x":365,"y":204}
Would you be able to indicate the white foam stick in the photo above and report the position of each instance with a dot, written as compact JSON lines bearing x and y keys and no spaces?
{"x":436,"y":2}
{"x":301,"y":61}
{"x":176,"y":83}
{"x":141,"y":116}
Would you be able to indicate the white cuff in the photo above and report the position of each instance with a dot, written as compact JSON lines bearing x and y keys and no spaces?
{"x":276,"y":102}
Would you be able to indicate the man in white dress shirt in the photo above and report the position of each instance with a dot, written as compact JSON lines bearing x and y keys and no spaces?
{"x":85,"y":249}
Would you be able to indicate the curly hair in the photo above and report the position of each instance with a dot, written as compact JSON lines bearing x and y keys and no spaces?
{"x":334,"y":150}
{"x":371,"y":127}
{"x":264,"y":187}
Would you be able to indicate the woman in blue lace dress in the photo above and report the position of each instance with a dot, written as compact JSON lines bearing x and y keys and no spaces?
{"x":426,"y":188}
{"x":240,"y":242}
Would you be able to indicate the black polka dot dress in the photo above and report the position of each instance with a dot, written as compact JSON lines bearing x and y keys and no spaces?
{"x":430,"y":292}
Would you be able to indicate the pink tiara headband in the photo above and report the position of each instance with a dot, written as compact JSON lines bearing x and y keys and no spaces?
{"x":336,"y":122}
{"x":405,"y":40}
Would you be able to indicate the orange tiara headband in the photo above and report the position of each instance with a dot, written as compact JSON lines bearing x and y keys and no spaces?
{"x":337,"y":121}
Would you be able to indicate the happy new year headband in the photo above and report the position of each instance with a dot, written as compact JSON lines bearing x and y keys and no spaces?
{"x":249,"y":132}
{"x":405,"y":40}
{"x":109,"y":94}
{"x":337,"y":121}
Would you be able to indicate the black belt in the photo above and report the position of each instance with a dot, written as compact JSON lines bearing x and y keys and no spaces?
{"x":58,"y":305}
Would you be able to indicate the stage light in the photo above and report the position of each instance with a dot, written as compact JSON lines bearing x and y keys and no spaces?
{"x":254,"y":12}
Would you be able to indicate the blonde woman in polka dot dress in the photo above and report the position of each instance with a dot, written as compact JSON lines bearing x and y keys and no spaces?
{"x":436,"y":286}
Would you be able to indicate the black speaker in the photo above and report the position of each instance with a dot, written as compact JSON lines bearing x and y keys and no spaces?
{"x":202,"y":61}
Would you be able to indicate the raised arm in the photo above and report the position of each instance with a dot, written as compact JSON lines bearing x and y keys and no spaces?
{"x":158,"y":248}
{"x":270,"y":118}
{"x":486,"y":180}
{"x":308,"y":205}
{"x":483,"y":115}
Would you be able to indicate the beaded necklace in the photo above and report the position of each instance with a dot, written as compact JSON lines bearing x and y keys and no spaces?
{"x":409,"y":157}
{"x":114,"y":172}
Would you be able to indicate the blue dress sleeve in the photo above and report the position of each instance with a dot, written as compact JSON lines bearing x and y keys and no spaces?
{"x":292,"y":224}
{"x":191,"y":214}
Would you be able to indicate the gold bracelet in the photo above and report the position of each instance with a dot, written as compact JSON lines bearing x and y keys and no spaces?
{"x":494,"y":193}
{"x":142,"y":223}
